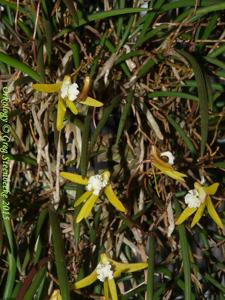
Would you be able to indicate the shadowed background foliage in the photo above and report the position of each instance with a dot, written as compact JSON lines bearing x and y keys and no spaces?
{"x":160,"y":73}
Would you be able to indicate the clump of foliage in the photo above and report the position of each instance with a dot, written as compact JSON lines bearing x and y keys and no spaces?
{"x":151,"y":75}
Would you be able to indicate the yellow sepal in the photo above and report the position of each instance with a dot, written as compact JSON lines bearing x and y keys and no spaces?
{"x":61,"y":110}
{"x":174,"y":174}
{"x":212,"y":212}
{"x":185,"y":214}
{"x":82,"y":198}
{"x":86,"y":208}
{"x":74,"y":178}
{"x":72,"y":107}
{"x":92,"y":102}
{"x":211,"y":190}
{"x":112,"y":289}
{"x":113,"y":198}
{"x":47,"y":88}
{"x":106,"y":290}
{"x":198,"y":214}
{"x":88,"y":280}
{"x":127,"y":268}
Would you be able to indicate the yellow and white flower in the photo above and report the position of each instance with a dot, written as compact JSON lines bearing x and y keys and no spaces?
{"x":197,"y":200}
{"x":106,"y":271}
{"x":69,"y":90}
{"x":68,"y":94}
{"x":165,"y":167}
{"x":95,"y":186}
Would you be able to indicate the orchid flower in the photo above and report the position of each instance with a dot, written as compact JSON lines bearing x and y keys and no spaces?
{"x":68,"y":94}
{"x":95,"y":186}
{"x":197,"y":199}
{"x":165,"y":167}
{"x":106,"y":271}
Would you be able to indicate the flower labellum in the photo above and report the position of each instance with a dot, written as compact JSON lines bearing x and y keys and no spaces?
{"x":192,"y":199}
{"x":95,"y":184}
{"x":69,"y":90}
{"x":169,"y":155}
{"x":104,"y":271}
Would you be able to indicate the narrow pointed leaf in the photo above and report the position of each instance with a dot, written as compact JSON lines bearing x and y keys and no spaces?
{"x":211,"y":8}
{"x":124,"y":116}
{"x":213,"y":214}
{"x":172,"y":94}
{"x":11,"y":276}
{"x":84,"y":159}
{"x":105,"y":116}
{"x":74,"y":178}
{"x":92,"y":102}
{"x":203,"y":94}
{"x":219,"y":286}
{"x":18,"y":65}
{"x":113,"y":199}
{"x":185,"y":214}
{"x":36,"y":282}
{"x":88,"y":280}
{"x":59,"y":254}
{"x":109,"y":14}
{"x":182,"y":133}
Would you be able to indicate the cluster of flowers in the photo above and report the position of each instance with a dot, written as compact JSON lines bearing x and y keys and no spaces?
{"x":196,"y":199}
